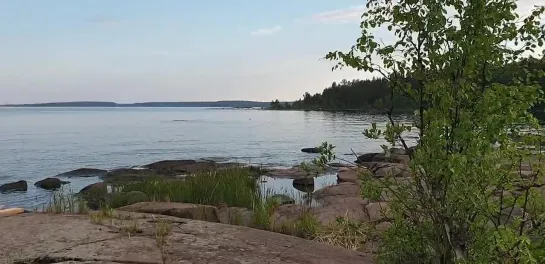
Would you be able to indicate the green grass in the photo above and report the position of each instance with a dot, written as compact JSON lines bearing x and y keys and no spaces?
{"x":263,"y":209}
{"x":66,"y":203}
{"x":232,"y":186}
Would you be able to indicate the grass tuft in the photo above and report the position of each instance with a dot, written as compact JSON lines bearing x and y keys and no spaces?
{"x":161,"y":232}
{"x":66,"y":203}
{"x":344,"y":233}
{"x":233,"y":186}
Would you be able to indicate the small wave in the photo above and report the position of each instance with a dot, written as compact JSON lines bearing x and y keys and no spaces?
{"x":216,"y":159}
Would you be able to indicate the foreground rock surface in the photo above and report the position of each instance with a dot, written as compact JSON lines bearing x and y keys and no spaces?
{"x":181,"y":210}
{"x":74,"y":239}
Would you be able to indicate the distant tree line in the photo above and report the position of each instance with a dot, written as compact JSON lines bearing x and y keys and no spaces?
{"x":374,"y":95}
{"x":364,"y":95}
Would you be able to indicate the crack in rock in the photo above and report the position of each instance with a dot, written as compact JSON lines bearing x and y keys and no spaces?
{"x":52,"y":259}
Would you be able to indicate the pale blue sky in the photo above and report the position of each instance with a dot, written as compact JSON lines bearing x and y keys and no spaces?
{"x":171,"y":50}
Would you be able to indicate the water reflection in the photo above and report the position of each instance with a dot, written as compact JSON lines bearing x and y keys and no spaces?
{"x":301,"y":195}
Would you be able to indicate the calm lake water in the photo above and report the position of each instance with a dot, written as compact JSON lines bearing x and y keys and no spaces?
{"x":36,"y":143}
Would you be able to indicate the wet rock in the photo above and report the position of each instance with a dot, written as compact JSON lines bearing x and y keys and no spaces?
{"x":164,"y":169}
{"x":94,"y":194}
{"x":235,"y":216}
{"x":181,"y":210}
{"x":83,"y":172}
{"x":338,"y":165}
{"x":367,"y":157}
{"x":306,"y":181}
{"x":18,"y":186}
{"x":297,"y":172}
{"x":215,"y":159}
{"x":381,"y":157}
{"x":303,"y":188}
{"x":174,"y":165}
{"x":128,"y":175}
{"x":378,"y":211}
{"x":99,"y":188}
{"x":50,"y":183}
{"x":283,"y":199}
{"x":208,"y":166}
{"x":311,"y":150}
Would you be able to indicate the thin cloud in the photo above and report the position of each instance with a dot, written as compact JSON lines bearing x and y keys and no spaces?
{"x":266,"y":31}
{"x":339,"y":16}
{"x":103,"y":21}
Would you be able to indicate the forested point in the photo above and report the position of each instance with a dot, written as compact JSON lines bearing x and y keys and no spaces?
{"x":374,"y":95}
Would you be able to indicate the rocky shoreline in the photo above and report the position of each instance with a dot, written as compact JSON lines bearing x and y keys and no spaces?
{"x":343,"y":199}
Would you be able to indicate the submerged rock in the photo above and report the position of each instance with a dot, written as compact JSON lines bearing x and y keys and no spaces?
{"x":307,"y":181}
{"x":128,"y":175}
{"x":381,"y":157}
{"x":50,"y":183}
{"x":164,"y":169}
{"x":311,"y":150}
{"x":18,"y":186}
{"x":175,"y":165}
{"x":83,"y":172}
{"x":303,"y":188}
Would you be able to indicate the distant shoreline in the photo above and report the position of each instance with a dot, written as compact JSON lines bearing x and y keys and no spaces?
{"x":230,"y":104}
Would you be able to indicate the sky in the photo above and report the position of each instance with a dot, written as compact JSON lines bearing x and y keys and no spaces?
{"x":172,"y":50}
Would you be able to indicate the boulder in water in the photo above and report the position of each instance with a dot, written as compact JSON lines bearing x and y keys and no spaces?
{"x":381,"y":157}
{"x":83,"y":172}
{"x":170,"y":165}
{"x":311,"y":150}
{"x":304,"y":181}
{"x":50,"y":183}
{"x":304,"y":188}
{"x":18,"y":186}
{"x":94,"y":194}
